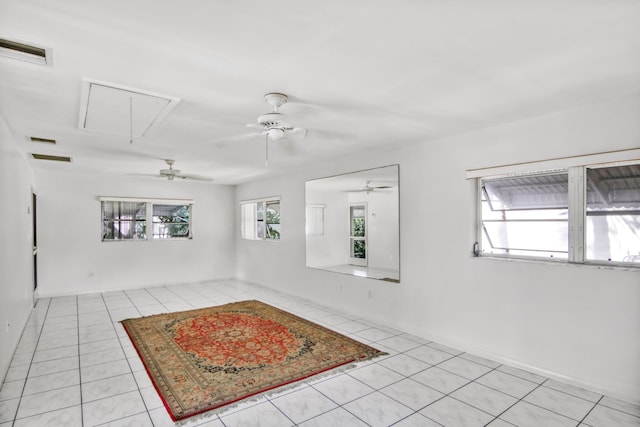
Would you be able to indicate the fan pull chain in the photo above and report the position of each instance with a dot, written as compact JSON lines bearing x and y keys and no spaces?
{"x":266,"y":150}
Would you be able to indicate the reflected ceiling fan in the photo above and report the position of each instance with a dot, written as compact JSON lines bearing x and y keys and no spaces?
{"x":172,"y":173}
{"x":369,"y":187}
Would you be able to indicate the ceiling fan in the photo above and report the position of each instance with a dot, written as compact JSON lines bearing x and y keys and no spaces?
{"x":172,"y":173}
{"x":273,"y":123}
{"x":369,"y":187}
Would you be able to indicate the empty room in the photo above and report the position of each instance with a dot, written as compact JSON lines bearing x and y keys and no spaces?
{"x":413,"y":213}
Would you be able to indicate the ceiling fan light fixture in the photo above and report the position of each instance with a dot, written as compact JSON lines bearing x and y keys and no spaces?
{"x":275,"y":133}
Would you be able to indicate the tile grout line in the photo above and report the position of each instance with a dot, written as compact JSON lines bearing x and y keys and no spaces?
{"x":24,"y":386}
{"x":53,"y":308}
{"x":462,"y":386}
{"x":522,"y":399}
{"x":551,"y":410}
{"x":79,"y":364}
{"x":127,"y":359}
{"x":590,"y":410}
{"x":339,"y":404}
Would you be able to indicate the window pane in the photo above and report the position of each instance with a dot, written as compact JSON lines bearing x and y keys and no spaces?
{"x":260,"y":220}
{"x":358,"y":249}
{"x":546,"y":237}
{"x":526,"y":215}
{"x":123,"y":220}
{"x":543,"y":191}
{"x":613,"y":214}
{"x":273,"y":220}
{"x":171,"y":221}
{"x":358,"y":227}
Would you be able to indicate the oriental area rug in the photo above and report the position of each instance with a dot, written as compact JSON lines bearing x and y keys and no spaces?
{"x":208,"y":358}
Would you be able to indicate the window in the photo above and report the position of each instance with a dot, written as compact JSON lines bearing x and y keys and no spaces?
{"x":358,"y":234}
{"x":260,"y":219}
{"x":124,"y":220}
{"x":127,"y":219}
{"x":581,"y":215}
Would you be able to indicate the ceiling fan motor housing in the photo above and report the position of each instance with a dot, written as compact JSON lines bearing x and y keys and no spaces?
{"x":274,"y":125}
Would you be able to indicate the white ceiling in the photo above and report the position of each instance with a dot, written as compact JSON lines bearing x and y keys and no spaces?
{"x":361,"y":75}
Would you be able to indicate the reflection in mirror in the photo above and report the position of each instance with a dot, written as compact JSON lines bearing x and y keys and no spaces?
{"x":352,"y":223}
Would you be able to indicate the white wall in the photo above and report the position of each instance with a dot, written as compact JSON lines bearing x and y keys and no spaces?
{"x":16,"y":259}
{"x":577,"y":323}
{"x":73,"y":259}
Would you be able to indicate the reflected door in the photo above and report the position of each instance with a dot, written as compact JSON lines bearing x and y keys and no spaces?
{"x":358,"y":234}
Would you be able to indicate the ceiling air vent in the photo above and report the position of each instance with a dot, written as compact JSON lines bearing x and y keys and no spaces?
{"x":25,"y":52}
{"x":51,"y":158}
{"x":44,"y":140}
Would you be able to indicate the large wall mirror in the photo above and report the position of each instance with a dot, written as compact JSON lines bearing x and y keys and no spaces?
{"x":353,"y":223}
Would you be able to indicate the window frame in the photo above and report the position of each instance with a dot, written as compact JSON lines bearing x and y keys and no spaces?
{"x":149,"y":223}
{"x":263,"y":202}
{"x":577,"y":216}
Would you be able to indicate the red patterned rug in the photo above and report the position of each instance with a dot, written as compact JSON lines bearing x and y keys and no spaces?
{"x":204,"y":359}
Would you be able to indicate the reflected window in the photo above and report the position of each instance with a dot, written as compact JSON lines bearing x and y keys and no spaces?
{"x":314,"y":224}
{"x":358,"y":234}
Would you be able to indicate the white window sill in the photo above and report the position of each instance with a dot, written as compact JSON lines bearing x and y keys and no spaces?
{"x":561,"y":262}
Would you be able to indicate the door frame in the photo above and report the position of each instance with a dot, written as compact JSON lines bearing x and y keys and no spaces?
{"x":34,"y":241}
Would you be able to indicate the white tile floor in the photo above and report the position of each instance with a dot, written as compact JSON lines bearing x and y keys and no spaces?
{"x":75,"y":366}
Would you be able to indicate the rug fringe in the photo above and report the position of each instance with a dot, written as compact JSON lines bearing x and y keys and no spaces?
{"x":269,"y":394}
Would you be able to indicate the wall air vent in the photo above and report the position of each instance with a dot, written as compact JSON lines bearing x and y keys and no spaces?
{"x":119,"y":110}
{"x":25,"y":52}
{"x":51,"y":158}
{"x":44,"y":140}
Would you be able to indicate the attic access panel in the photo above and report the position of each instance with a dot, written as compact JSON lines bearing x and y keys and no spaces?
{"x":118,"y":110}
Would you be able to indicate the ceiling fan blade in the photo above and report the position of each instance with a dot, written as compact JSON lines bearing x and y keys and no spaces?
{"x":147,"y":175}
{"x":331,"y":136}
{"x":238,"y":137}
{"x":169,"y":171}
{"x":359,"y":190}
{"x":194,"y":177}
{"x":297,"y":131}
